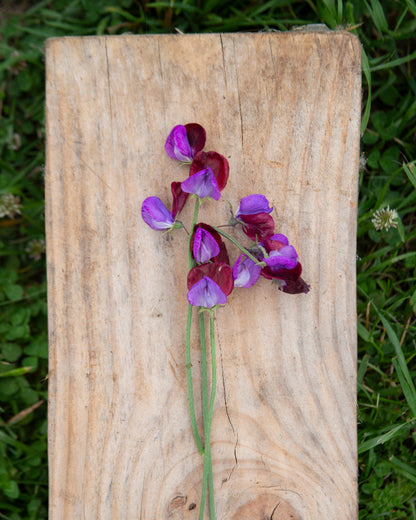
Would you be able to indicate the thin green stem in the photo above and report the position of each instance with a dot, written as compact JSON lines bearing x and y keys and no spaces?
{"x":204,"y":381}
{"x":243,"y":249}
{"x":191,"y":401}
{"x":189,"y":381}
{"x":210,"y":414}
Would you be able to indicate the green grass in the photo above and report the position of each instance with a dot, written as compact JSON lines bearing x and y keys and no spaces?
{"x":386,"y":264}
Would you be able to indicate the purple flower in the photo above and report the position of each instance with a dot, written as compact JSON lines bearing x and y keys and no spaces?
{"x":286,"y":257}
{"x":203,"y":184}
{"x":245,"y":272}
{"x":184,"y":141}
{"x":205,"y":246}
{"x":206,"y":293}
{"x":156,"y":215}
{"x":252,"y":205}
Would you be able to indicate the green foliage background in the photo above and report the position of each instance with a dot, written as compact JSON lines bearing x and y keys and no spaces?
{"x":386,"y":263}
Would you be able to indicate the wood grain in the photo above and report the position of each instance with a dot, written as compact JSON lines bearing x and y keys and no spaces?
{"x":284,"y":108}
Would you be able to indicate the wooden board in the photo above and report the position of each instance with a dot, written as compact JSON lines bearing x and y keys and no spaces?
{"x":284,"y":108}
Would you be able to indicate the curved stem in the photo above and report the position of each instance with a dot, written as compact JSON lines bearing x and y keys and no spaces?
{"x":243,"y":249}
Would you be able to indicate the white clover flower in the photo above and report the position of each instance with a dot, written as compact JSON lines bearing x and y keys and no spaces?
{"x":36,"y":248}
{"x":385,"y":218}
{"x":9,"y":205}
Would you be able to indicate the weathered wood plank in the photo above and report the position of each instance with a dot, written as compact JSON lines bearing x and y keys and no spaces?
{"x":285,"y":109}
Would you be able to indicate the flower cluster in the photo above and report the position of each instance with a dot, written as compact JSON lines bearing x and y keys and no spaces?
{"x":211,"y":278}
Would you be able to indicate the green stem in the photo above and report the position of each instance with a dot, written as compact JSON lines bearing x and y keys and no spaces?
{"x":189,"y":381}
{"x":210,"y":414}
{"x":243,"y":249}
{"x":204,"y":381}
{"x":191,"y":263}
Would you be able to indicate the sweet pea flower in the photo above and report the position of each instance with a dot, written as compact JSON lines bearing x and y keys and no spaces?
{"x":203,"y":184}
{"x":156,"y":215}
{"x":220,"y":272}
{"x":245,"y":272}
{"x":282,"y":264}
{"x":222,"y":256}
{"x":216,"y":162}
{"x":253,"y":214}
{"x":206,"y":293}
{"x":205,"y":246}
{"x":252,"y":205}
{"x":185,"y":141}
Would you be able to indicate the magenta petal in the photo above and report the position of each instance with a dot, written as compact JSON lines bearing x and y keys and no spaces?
{"x":206,"y":293}
{"x":177,"y":145}
{"x":203,"y":184}
{"x":285,"y":258}
{"x":253,"y":204}
{"x":156,"y":215}
{"x":245,"y":272}
{"x":205,"y":246}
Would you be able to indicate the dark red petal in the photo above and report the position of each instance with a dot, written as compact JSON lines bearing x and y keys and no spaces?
{"x":297,"y":287}
{"x":179,"y":198}
{"x":223,"y":254}
{"x":218,"y":164}
{"x":282,"y":274}
{"x":196,"y":136}
{"x":221,"y":273}
{"x":258,"y":227}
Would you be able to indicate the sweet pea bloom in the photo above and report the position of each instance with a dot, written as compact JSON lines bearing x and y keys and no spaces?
{"x":185,"y":141}
{"x":203,"y":184}
{"x":222,"y":256}
{"x":220,"y":272}
{"x":206,"y":293}
{"x":254,"y":214}
{"x":205,"y":246}
{"x":252,"y":205}
{"x":245,"y":272}
{"x":216,"y":162}
{"x":282,"y":264}
{"x":156,"y":215}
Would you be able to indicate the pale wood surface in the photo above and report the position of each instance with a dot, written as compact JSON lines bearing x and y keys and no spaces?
{"x":285,"y":109}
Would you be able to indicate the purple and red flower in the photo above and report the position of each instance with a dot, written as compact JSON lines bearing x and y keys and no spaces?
{"x":254,"y":215}
{"x":185,"y":141}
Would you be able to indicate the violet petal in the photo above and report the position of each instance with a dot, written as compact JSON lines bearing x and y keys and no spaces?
{"x":205,"y":246}
{"x":245,"y":272}
{"x":177,"y":145}
{"x":286,"y":258}
{"x":203,"y":184}
{"x":253,"y":204}
{"x":156,"y":215}
{"x":206,"y":293}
